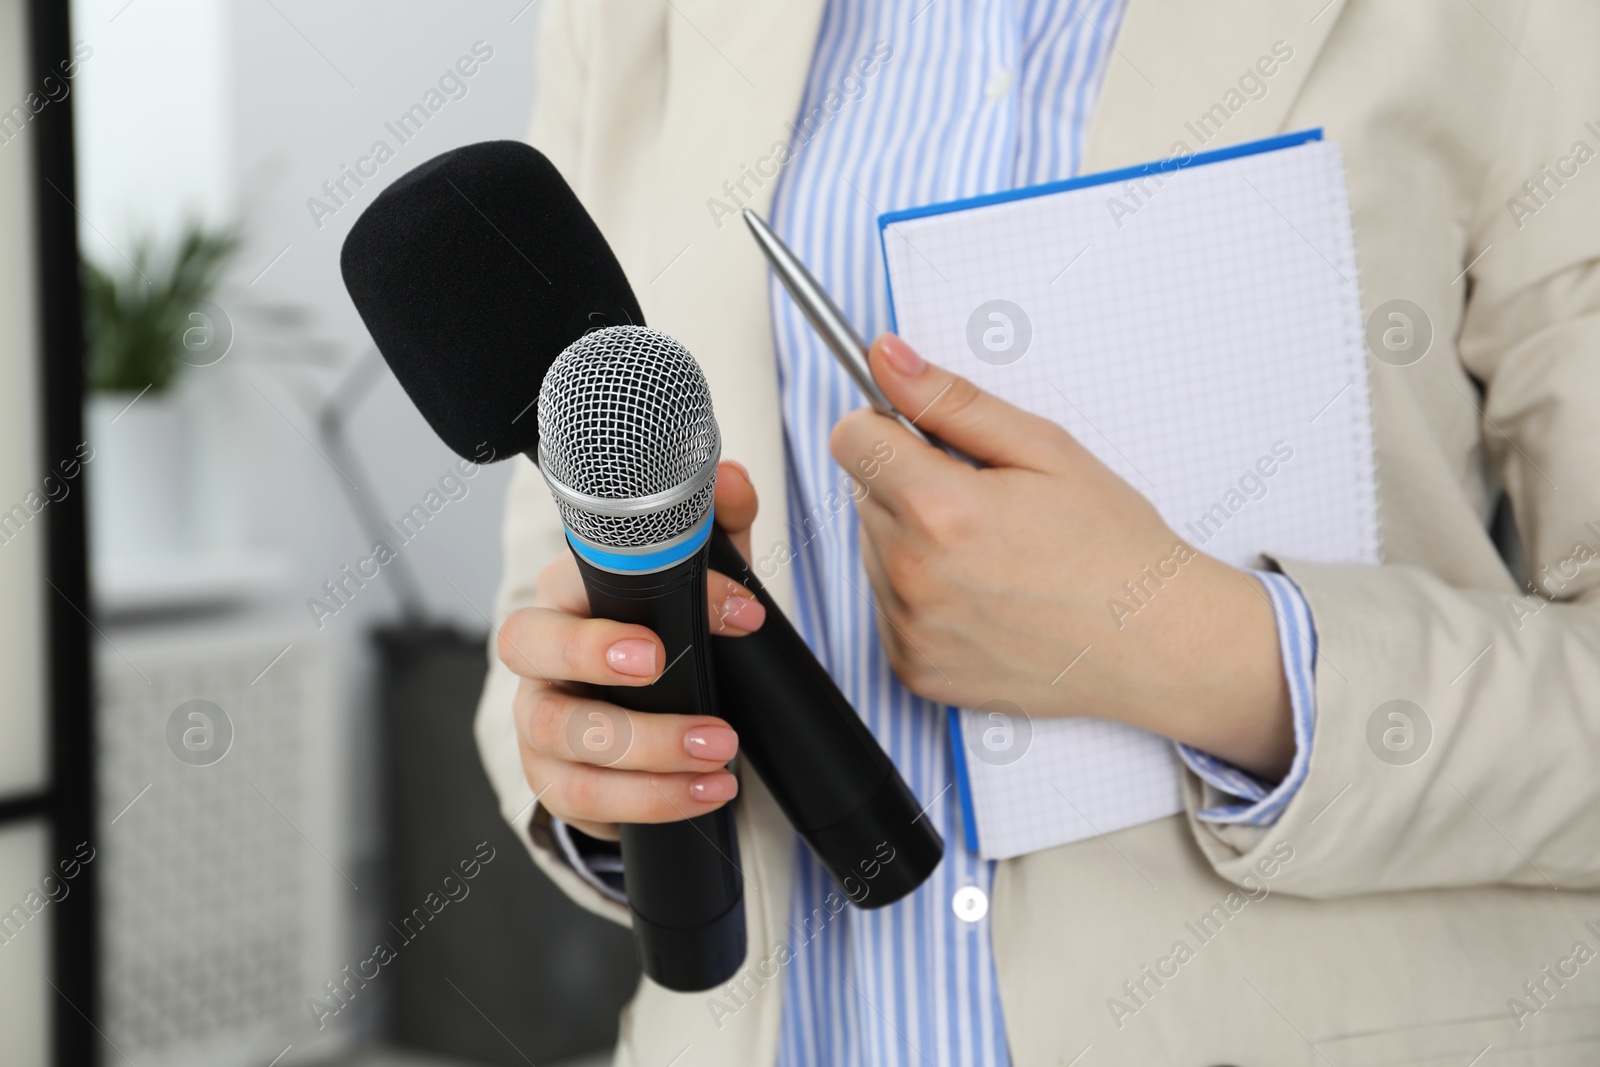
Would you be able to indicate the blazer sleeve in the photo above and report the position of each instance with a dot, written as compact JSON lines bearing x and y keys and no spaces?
{"x":532,"y":537}
{"x":1488,"y":775}
{"x":531,"y":534}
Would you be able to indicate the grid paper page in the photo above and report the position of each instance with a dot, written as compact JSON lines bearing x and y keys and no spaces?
{"x":1205,"y":331}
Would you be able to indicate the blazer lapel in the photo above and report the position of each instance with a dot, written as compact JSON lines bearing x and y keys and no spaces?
{"x":735,"y":73}
{"x":1193,"y":76}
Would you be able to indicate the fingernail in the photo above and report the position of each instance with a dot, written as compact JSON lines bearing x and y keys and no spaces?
{"x":743,"y":613}
{"x":716,"y":743}
{"x":740,"y":467}
{"x":634,"y":657}
{"x":714,"y":788}
{"x":901,"y":356}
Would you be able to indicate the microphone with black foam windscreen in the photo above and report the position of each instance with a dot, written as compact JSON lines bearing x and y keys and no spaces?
{"x":473,"y":272}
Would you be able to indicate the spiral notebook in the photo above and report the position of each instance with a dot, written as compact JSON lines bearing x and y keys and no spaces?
{"x":1196,"y":324}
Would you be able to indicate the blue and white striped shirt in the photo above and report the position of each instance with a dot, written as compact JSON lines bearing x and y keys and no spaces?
{"x":912,"y":102}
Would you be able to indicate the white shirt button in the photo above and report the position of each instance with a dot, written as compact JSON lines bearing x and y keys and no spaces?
{"x":999,"y":83}
{"x":970,"y":903}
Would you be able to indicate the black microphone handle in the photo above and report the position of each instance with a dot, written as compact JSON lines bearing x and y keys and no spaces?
{"x":683,"y":878}
{"x":834,"y":782}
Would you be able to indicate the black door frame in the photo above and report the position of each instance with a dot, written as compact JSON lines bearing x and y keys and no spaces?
{"x":67,"y":802}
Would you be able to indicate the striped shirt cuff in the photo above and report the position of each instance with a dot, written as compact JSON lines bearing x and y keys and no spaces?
{"x":602,"y":870}
{"x":1260,"y":803}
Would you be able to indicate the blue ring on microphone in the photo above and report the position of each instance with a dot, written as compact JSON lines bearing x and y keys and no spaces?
{"x":646,"y":561}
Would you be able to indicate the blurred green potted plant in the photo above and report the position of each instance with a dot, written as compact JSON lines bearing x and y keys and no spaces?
{"x":145,"y":319}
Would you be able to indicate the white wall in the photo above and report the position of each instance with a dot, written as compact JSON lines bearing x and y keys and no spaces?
{"x":297,"y":120}
{"x":152,"y":122}
{"x":243,"y":108}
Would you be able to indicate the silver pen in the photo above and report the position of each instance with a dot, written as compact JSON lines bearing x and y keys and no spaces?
{"x":826,"y":318}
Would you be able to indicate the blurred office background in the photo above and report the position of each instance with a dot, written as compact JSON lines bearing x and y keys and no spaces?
{"x":291,"y":853}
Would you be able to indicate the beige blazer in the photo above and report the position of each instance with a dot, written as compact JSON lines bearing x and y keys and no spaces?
{"x":1396,"y":913}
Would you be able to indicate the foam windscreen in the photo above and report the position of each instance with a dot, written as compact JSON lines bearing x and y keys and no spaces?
{"x":472,"y":272}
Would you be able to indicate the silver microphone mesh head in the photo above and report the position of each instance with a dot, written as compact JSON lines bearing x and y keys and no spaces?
{"x":627,"y":439}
